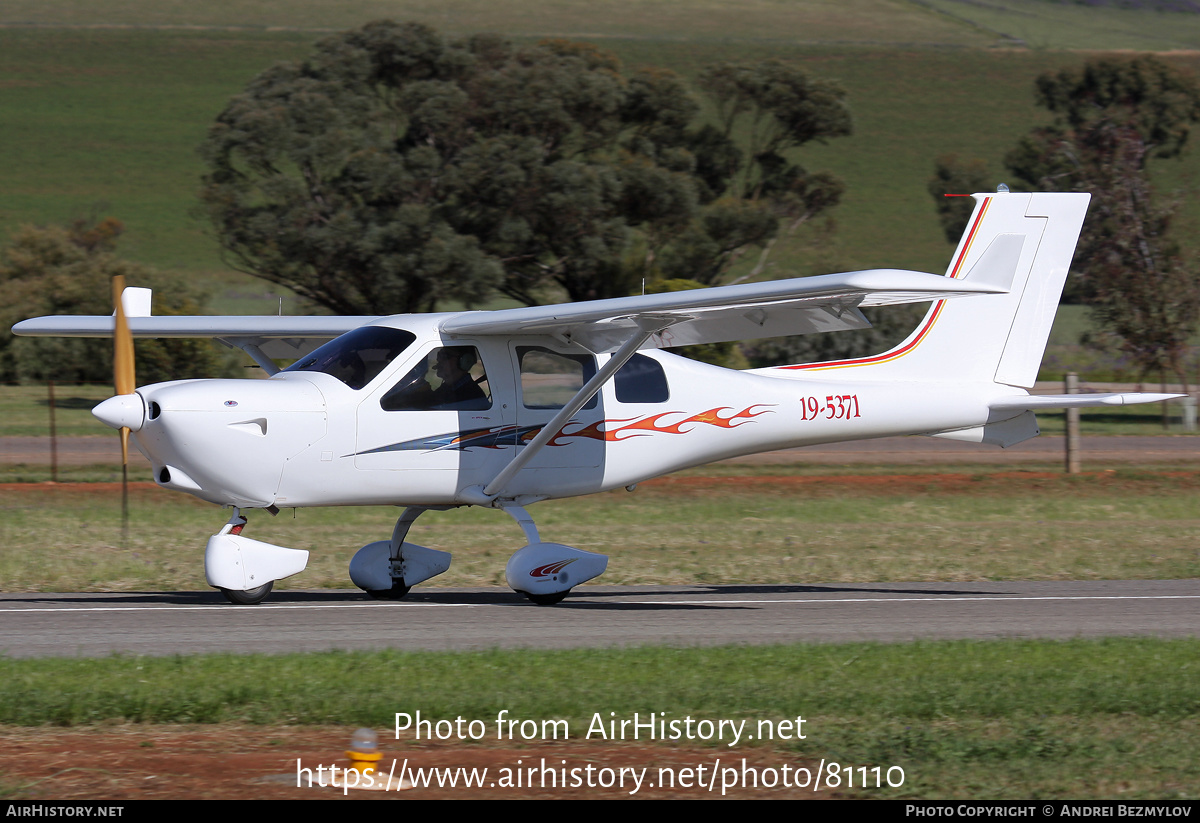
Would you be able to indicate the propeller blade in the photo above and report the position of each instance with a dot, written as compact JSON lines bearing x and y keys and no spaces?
{"x":123,"y":372}
{"x":124,"y":382}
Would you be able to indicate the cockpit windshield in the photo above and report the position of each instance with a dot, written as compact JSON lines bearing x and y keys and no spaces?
{"x":358,"y":356}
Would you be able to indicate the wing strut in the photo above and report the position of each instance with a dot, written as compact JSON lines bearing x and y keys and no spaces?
{"x":648,"y":325}
{"x":250,"y":347}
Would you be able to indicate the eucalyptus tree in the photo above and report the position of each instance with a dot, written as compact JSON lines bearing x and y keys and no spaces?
{"x":1113,"y":117}
{"x":394,"y":170}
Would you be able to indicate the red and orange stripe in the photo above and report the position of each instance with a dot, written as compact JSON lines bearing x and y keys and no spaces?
{"x":888,"y":356}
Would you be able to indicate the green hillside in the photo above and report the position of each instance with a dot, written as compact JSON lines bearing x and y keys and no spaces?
{"x":102,"y":107}
{"x":697,"y":21}
{"x":1139,"y":25}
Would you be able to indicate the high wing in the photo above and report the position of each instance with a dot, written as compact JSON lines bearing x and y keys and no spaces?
{"x":268,"y":327}
{"x":775,"y":308}
{"x":803,"y":305}
{"x":261,"y":337}
{"x":264,"y":329}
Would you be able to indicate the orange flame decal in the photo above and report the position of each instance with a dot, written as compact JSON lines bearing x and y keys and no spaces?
{"x":650,"y":425}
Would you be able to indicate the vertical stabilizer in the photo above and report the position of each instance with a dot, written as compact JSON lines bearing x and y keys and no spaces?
{"x":1021,"y":242}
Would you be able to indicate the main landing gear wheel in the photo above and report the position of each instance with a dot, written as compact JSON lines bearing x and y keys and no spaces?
{"x":397,"y":591}
{"x":547,"y":599}
{"x":249,"y":597}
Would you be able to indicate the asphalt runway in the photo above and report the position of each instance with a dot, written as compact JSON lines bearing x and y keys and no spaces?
{"x":159,"y":623}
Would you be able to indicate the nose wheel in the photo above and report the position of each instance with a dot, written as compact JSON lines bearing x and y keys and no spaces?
{"x":248,"y":597}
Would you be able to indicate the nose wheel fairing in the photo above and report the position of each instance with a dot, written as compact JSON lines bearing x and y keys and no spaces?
{"x":244,"y":569}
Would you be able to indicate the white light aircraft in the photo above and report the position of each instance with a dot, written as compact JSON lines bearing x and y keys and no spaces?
{"x":507,"y":408}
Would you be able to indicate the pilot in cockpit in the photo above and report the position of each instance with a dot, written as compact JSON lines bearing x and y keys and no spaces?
{"x":456,"y":388}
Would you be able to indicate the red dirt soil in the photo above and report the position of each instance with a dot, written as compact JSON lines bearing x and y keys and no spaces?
{"x":1013,"y":482}
{"x":259,"y":763}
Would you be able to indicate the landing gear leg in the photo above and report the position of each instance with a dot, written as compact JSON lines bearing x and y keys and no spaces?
{"x":243,"y":597}
{"x":395,"y":557}
{"x":387,"y":569}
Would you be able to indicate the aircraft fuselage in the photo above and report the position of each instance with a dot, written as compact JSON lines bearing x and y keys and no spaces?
{"x":308,"y":438}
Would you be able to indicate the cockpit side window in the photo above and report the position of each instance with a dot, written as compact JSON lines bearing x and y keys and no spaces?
{"x":450,"y":378}
{"x":357,"y":357}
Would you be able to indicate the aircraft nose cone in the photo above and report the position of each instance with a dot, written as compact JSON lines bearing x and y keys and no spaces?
{"x":123,"y":411}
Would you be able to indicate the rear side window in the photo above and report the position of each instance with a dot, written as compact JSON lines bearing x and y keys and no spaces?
{"x":550,"y":379}
{"x":641,"y":380}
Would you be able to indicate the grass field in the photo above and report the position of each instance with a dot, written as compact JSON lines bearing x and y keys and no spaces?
{"x":985,"y":720}
{"x":747,"y":525}
{"x":995,"y":720}
{"x":1039,"y":24}
{"x":25,"y":410}
{"x":107,"y":122}
{"x":1043,"y":24}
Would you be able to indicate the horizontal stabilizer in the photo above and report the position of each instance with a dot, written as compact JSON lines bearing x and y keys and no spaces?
{"x":1070,"y":401}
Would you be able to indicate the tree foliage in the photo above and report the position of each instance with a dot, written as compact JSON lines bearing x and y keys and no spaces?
{"x":1112,"y":118}
{"x":49,"y":270}
{"x":394,"y":170}
{"x":751,"y":194}
{"x":781,"y":108}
